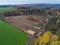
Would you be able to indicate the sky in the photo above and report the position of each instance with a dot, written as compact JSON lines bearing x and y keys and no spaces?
{"x":4,"y":2}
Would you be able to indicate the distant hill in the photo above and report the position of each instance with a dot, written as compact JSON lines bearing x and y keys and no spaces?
{"x":48,"y":5}
{"x":7,"y":6}
{"x":37,"y":4}
{"x":44,"y":5}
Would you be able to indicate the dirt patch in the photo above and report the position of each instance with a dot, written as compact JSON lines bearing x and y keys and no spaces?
{"x":22,"y":23}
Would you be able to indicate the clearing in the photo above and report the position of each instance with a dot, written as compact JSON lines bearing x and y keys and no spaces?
{"x":6,"y":9}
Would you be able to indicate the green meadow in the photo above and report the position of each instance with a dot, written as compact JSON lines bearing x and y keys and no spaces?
{"x":6,"y":9}
{"x":10,"y":35}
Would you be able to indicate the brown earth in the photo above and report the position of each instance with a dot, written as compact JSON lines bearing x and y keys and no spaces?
{"x":22,"y":23}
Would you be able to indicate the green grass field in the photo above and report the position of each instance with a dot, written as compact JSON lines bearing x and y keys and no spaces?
{"x":5,"y":9}
{"x":10,"y":35}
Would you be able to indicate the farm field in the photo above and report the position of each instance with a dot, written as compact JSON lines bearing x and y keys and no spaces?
{"x":6,"y":9}
{"x":10,"y":35}
{"x":22,"y":23}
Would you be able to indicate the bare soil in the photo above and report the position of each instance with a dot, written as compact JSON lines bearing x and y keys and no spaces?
{"x":22,"y":23}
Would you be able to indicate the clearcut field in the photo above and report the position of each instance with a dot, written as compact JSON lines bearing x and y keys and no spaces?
{"x":10,"y":35}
